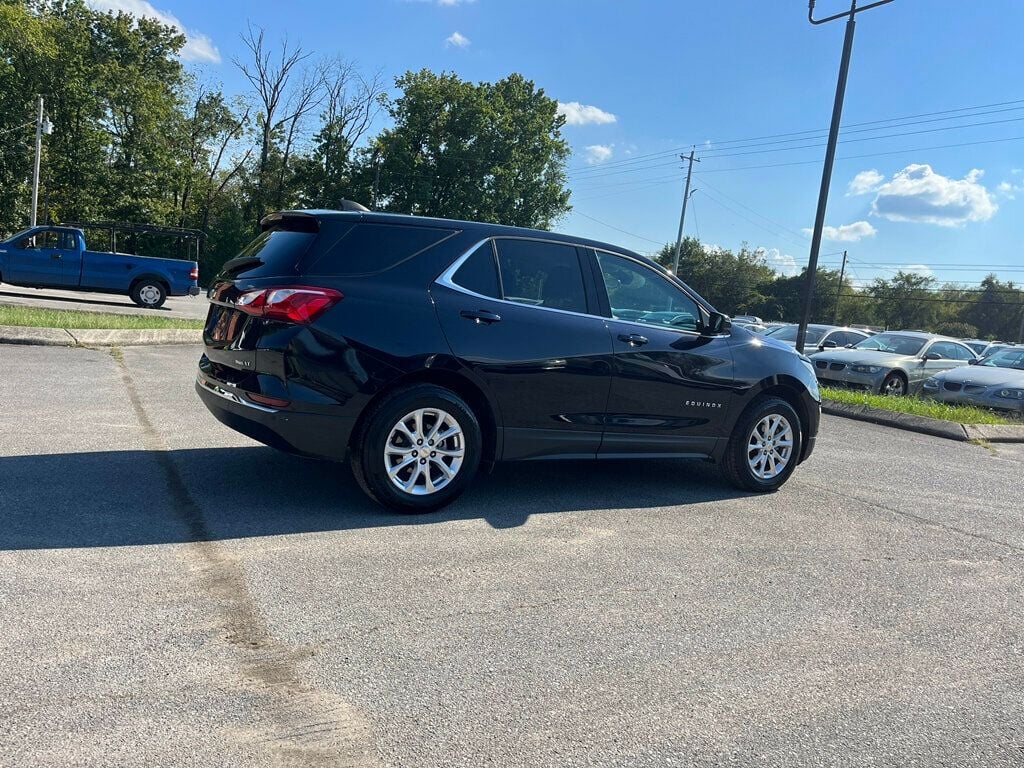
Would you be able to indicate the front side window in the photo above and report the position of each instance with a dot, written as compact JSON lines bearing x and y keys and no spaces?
{"x":639,"y":294}
{"x":948,"y":350}
{"x":541,"y":274}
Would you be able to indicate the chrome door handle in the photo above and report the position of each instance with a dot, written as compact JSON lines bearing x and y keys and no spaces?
{"x":481,"y":316}
{"x":633,"y":339}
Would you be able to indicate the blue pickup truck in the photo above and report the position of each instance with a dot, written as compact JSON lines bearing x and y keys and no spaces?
{"x":55,"y":257}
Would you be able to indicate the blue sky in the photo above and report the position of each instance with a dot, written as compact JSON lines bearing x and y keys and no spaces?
{"x":643,"y":81}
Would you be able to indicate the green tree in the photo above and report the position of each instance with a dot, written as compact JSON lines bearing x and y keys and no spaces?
{"x":732,"y":282}
{"x":486,"y":151}
{"x":996,"y":310}
{"x":905,"y":301}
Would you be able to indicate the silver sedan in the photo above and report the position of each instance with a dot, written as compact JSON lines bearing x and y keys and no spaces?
{"x":997,"y":381}
{"x":892,"y":363}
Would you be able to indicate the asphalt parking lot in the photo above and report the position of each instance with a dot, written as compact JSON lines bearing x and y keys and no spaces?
{"x":179,"y":307}
{"x":174,"y":594}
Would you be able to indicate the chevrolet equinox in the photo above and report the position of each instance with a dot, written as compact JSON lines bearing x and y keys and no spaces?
{"x":422,"y":349}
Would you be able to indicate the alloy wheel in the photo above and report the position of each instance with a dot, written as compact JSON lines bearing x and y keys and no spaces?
{"x":424,"y":451}
{"x":770,"y":447}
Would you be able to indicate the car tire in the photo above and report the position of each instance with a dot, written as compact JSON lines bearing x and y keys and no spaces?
{"x":414,"y":477}
{"x":759,"y":444}
{"x":149,"y":294}
{"x":895,"y":384}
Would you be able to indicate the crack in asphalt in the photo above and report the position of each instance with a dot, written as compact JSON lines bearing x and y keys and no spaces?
{"x":918,"y":518}
{"x":268,"y":665}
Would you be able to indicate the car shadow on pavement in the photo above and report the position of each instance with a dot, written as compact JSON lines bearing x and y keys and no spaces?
{"x":121,"y":498}
{"x":127,"y":303}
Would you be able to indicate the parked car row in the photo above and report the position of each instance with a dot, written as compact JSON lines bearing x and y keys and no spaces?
{"x":891,"y":363}
{"x":994,"y":381}
{"x":912,"y":362}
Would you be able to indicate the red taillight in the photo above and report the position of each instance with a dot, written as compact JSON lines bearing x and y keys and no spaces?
{"x":294,"y":305}
{"x":273,"y":402}
{"x":194,"y":274}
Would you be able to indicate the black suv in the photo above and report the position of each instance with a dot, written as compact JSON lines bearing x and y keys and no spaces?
{"x":422,"y":348}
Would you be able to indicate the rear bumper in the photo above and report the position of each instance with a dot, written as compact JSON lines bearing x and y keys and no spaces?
{"x":315,"y":435}
{"x":193,"y":290}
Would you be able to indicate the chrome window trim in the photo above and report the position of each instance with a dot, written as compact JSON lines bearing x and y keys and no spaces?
{"x":446,"y":279}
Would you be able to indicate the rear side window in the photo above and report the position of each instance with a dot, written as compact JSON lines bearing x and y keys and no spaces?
{"x":273,"y":253}
{"x":541,"y":274}
{"x":479,"y":273}
{"x":368,"y":248}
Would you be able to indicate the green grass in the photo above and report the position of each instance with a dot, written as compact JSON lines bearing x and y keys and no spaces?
{"x":916,"y":406}
{"x":59,"y":318}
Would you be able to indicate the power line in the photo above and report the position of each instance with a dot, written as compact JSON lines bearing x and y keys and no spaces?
{"x":707,"y":183}
{"x":715,"y":143}
{"x":873,"y":154}
{"x":617,"y":229}
{"x":801,"y":147}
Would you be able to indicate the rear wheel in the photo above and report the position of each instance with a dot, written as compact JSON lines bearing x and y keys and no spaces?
{"x":418,"y":449}
{"x":149,"y":294}
{"x":895,"y":384}
{"x":765,"y":446}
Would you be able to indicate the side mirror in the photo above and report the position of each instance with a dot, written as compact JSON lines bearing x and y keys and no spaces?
{"x":849,"y":346}
{"x":933,"y":356}
{"x":975,"y":361}
{"x":717,"y":325}
{"x":829,"y":344}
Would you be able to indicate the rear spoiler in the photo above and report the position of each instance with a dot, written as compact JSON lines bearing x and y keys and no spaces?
{"x":305,"y":221}
{"x":290,"y":221}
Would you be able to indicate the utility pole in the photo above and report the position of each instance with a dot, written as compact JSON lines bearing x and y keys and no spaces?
{"x":839,"y":290}
{"x":1020,"y":333}
{"x":830,"y":155}
{"x":682,"y":216}
{"x":35,"y":170}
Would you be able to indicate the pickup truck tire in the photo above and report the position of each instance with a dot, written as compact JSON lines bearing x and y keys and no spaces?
{"x":148,"y":293}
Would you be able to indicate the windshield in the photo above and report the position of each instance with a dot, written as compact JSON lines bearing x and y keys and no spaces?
{"x":1006,"y":358}
{"x":17,"y":236}
{"x":895,"y":343}
{"x":788,"y":333}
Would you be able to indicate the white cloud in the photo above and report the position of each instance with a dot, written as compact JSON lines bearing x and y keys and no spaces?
{"x":846,"y":233}
{"x":921,"y":269}
{"x":919,"y":194}
{"x":1009,"y":190}
{"x":781,"y":262}
{"x":457,"y":40}
{"x":864,"y":182}
{"x":450,"y":3}
{"x":198,"y":47}
{"x":584,"y":114}
{"x":598,"y":153}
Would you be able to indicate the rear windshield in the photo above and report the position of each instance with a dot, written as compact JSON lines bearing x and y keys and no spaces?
{"x":273,"y":253}
{"x":368,"y":248}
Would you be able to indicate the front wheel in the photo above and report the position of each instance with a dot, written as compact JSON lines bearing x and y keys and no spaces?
{"x":764,"y":447}
{"x":418,"y":449}
{"x":894,"y":384}
{"x":149,"y":294}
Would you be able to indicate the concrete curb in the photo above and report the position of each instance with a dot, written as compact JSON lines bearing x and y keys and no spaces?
{"x":61,"y":337}
{"x":950,"y":430}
